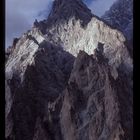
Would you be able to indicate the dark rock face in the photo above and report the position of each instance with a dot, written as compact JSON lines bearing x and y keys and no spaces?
{"x":43,"y":83}
{"x":120,"y":16}
{"x":10,"y":49}
{"x":63,"y":10}
{"x":89,"y":97}
{"x":69,"y":82}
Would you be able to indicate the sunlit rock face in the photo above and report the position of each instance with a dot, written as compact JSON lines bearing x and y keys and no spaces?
{"x":69,"y":78}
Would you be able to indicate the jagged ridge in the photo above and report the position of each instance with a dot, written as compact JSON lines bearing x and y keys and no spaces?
{"x":55,"y":92}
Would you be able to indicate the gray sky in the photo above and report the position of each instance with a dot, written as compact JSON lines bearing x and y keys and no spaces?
{"x":20,"y":14}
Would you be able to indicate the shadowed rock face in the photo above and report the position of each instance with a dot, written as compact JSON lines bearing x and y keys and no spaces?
{"x":120,"y":15}
{"x":94,"y":103}
{"x":55,"y":91}
{"x":63,"y":10}
{"x":42,"y":83}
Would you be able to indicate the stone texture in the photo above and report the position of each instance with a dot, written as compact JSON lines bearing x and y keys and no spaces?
{"x":120,"y":16}
{"x":94,"y":103}
{"x":69,"y":79}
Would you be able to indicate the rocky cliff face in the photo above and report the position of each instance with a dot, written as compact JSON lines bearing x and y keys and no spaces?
{"x":69,"y":78}
{"x":120,"y":16}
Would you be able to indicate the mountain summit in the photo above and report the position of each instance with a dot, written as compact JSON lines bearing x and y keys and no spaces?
{"x":64,"y":10}
{"x":69,"y":78}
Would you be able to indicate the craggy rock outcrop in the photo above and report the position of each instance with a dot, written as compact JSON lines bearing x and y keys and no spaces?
{"x":69,"y":79}
{"x":10,"y":49}
{"x":36,"y":79}
{"x":120,"y":15}
{"x":94,"y":107}
{"x":63,"y":10}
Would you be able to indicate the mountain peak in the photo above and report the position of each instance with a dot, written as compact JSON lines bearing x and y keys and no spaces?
{"x":66,"y":82}
{"x":64,"y":10}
